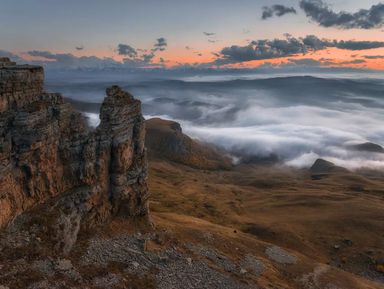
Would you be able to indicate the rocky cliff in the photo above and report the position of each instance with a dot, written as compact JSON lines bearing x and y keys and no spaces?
{"x":48,"y":155}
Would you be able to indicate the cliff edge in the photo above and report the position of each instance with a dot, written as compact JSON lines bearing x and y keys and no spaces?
{"x":53,"y":164}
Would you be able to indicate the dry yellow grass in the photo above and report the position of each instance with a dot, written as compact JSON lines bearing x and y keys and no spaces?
{"x":337,"y":220}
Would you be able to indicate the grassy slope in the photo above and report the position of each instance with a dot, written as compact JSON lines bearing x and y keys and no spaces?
{"x":337,"y":221}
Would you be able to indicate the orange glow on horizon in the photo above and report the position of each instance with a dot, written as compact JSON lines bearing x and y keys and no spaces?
{"x":332,"y":57}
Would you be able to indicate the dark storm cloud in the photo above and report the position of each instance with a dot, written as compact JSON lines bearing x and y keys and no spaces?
{"x":321,"y":13}
{"x":126,"y":50}
{"x":277,"y":10}
{"x":160,"y":45}
{"x":290,"y":46}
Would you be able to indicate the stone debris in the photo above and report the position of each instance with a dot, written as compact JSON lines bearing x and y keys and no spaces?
{"x":280,"y":255}
{"x":106,"y":281}
{"x":63,"y":265}
{"x":173,"y":268}
{"x":217,"y":258}
{"x":253,"y":265}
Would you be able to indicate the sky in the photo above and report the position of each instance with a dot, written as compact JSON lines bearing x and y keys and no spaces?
{"x":206,"y":33}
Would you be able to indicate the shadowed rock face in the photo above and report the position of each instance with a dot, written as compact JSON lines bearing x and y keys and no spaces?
{"x":368,"y":147}
{"x":325,"y":167}
{"x":49,"y":155}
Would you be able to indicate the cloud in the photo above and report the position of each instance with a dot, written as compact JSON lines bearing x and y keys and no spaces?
{"x":211,"y":37}
{"x":319,"y":12}
{"x":374,"y":56}
{"x":126,"y":50}
{"x":11,"y":56}
{"x":358,"y":45}
{"x":290,"y":46}
{"x":133,"y":58}
{"x":277,"y":10}
{"x":314,"y":42}
{"x":310,"y":63}
{"x":67,"y":60}
{"x":297,"y":118}
{"x":136,"y":58}
{"x":305,"y":62}
{"x":160,"y":45}
{"x":356,"y":61}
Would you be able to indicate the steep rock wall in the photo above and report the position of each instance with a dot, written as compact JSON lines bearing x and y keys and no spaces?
{"x":49,"y":155}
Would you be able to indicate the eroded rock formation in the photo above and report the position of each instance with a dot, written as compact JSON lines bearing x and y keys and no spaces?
{"x":48,"y":154}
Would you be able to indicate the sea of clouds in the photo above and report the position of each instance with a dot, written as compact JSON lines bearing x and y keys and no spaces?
{"x":296,"y":118}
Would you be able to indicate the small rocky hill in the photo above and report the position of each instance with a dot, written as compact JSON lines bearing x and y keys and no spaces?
{"x":368,"y":147}
{"x":166,"y":140}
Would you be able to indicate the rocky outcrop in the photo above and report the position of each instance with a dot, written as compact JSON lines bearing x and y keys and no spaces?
{"x":165,"y":140}
{"x":367,"y":147}
{"x":321,"y":166}
{"x":48,"y":155}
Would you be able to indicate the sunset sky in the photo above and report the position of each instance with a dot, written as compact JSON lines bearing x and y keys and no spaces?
{"x":192,"y":32}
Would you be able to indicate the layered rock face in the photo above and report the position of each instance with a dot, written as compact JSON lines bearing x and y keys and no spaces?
{"x":49,"y":155}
